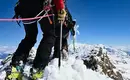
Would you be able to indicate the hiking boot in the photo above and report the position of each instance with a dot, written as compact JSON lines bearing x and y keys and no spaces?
{"x":65,"y":54}
{"x":14,"y":72}
{"x":36,"y":74}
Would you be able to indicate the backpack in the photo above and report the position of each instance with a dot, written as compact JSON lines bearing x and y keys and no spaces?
{"x":26,"y":7}
{"x":23,"y":4}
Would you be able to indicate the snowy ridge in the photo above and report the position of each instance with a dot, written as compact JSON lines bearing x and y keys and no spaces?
{"x":124,"y":48}
{"x":85,"y":49}
{"x":74,"y":69}
{"x":5,"y":50}
{"x":118,"y":56}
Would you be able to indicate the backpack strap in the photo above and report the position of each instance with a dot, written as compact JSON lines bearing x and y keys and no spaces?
{"x":16,"y":15}
{"x":45,"y":4}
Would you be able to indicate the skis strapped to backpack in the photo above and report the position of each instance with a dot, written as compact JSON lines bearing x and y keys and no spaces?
{"x":8,"y":58}
{"x":5,"y":62}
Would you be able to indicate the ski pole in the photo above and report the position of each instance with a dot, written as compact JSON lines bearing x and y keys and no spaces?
{"x":74,"y":43}
{"x":61,"y":24}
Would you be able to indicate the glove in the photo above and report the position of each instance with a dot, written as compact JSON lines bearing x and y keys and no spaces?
{"x":61,"y":15}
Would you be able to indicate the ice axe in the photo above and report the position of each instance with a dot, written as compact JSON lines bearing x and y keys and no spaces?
{"x":61,"y":27}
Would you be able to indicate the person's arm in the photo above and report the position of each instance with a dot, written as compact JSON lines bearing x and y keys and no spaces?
{"x":60,"y":7}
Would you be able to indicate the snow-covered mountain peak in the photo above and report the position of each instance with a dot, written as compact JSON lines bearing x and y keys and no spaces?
{"x":86,"y":48}
{"x":119,"y":58}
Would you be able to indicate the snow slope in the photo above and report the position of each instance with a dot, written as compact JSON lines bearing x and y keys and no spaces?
{"x":70,"y":70}
{"x":74,"y":69}
{"x":121,"y":60}
{"x":5,"y":50}
{"x":118,"y":56}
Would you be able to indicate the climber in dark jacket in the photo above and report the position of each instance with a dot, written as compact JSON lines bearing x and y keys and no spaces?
{"x":29,"y":9}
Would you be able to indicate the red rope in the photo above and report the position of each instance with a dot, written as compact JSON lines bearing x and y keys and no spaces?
{"x":25,"y":19}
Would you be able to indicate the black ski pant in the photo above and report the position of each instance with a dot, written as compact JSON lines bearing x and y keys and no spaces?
{"x":51,"y":37}
{"x":44,"y":48}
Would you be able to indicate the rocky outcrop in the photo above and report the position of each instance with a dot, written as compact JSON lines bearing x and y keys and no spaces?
{"x":102,"y":60}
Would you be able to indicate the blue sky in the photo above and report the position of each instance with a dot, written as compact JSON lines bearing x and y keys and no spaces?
{"x":100,"y":21}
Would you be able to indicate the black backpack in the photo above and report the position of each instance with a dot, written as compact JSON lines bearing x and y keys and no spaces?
{"x":25,"y":3}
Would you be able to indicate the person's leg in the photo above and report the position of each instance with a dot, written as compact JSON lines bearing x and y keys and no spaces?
{"x":46,"y":44}
{"x":27,"y":43}
{"x":57,"y":47}
{"x":65,"y":43}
